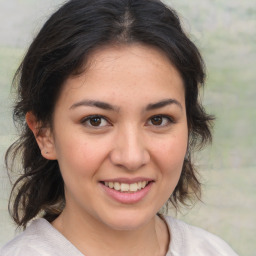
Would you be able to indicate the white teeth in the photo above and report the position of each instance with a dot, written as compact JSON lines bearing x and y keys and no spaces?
{"x":110,"y":184}
{"x":117,"y":186}
{"x":124,"y":187}
{"x":134,"y":187}
{"x":143,"y":184}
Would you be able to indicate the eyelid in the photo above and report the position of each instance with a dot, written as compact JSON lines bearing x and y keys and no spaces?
{"x":170,"y":120}
{"x":168,"y":117}
{"x":87,"y":118}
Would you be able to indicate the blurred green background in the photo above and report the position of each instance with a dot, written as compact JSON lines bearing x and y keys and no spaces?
{"x":225,"y":32}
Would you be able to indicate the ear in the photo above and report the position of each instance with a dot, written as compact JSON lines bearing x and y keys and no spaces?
{"x":43,"y":136}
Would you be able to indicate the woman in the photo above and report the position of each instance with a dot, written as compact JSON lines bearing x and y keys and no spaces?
{"x":109,"y":111}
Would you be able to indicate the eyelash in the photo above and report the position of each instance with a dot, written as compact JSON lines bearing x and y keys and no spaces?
{"x":169,"y":120}
{"x":88,"y":119}
{"x":85,"y":121}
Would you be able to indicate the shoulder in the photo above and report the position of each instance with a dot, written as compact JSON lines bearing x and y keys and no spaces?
{"x":20,"y":245}
{"x":40,"y":238}
{"x":26,"y":243}
{"x":191,"y":240}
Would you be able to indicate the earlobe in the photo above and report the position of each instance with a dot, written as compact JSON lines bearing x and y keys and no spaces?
{"x":43,"y":136}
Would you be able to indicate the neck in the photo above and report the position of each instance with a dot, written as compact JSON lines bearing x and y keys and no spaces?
{"x":87,"y":233}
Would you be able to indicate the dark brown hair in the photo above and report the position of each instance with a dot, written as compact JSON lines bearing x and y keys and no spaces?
{"x":60,"y":50}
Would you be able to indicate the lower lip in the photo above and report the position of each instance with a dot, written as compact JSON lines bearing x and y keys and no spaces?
{"x":125,"y":197}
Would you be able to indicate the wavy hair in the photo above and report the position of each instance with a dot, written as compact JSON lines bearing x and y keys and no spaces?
{"x":59,"y":51}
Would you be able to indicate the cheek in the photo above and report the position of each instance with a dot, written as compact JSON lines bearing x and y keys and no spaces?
{"x":79,"y":155}
{"x":172,"y":150}
{"x":169,"y":158}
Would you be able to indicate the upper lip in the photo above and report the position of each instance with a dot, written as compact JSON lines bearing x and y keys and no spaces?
{"x":128,"y":180}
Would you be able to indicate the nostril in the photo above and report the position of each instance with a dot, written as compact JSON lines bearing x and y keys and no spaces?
{"x":131,"y":161}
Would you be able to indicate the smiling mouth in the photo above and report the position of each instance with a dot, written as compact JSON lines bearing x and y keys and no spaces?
{"x":126,"y":188}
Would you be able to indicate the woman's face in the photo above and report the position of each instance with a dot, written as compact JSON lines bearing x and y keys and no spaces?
{"x":120,"y":136}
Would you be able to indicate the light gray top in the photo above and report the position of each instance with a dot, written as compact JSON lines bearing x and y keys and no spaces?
{"x":42,"y":239}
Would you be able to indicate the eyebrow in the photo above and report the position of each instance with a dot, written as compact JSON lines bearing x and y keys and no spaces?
{"x":163,"y":103}
{"x":107,"y":106}
{"x":95,"y":103}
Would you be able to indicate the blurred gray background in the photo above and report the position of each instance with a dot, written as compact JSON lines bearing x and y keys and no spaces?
{"x":225,"y":32}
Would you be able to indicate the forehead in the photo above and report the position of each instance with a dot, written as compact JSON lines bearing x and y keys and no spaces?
{"x":134,"y":70}
{"x":135,"y":58}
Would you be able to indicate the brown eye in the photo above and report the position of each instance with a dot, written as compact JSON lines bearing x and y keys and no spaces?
{"x":95,"y":121}
{"x":160,"y":121}
{"x":157,"y":120}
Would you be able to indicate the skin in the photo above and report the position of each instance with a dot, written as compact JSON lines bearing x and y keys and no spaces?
{"x":129,"y":142}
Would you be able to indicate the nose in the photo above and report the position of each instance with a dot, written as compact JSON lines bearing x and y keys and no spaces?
{"x":129,"y":151}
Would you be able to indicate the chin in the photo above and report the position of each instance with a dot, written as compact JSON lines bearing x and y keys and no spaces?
{"x":128,"y":221}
